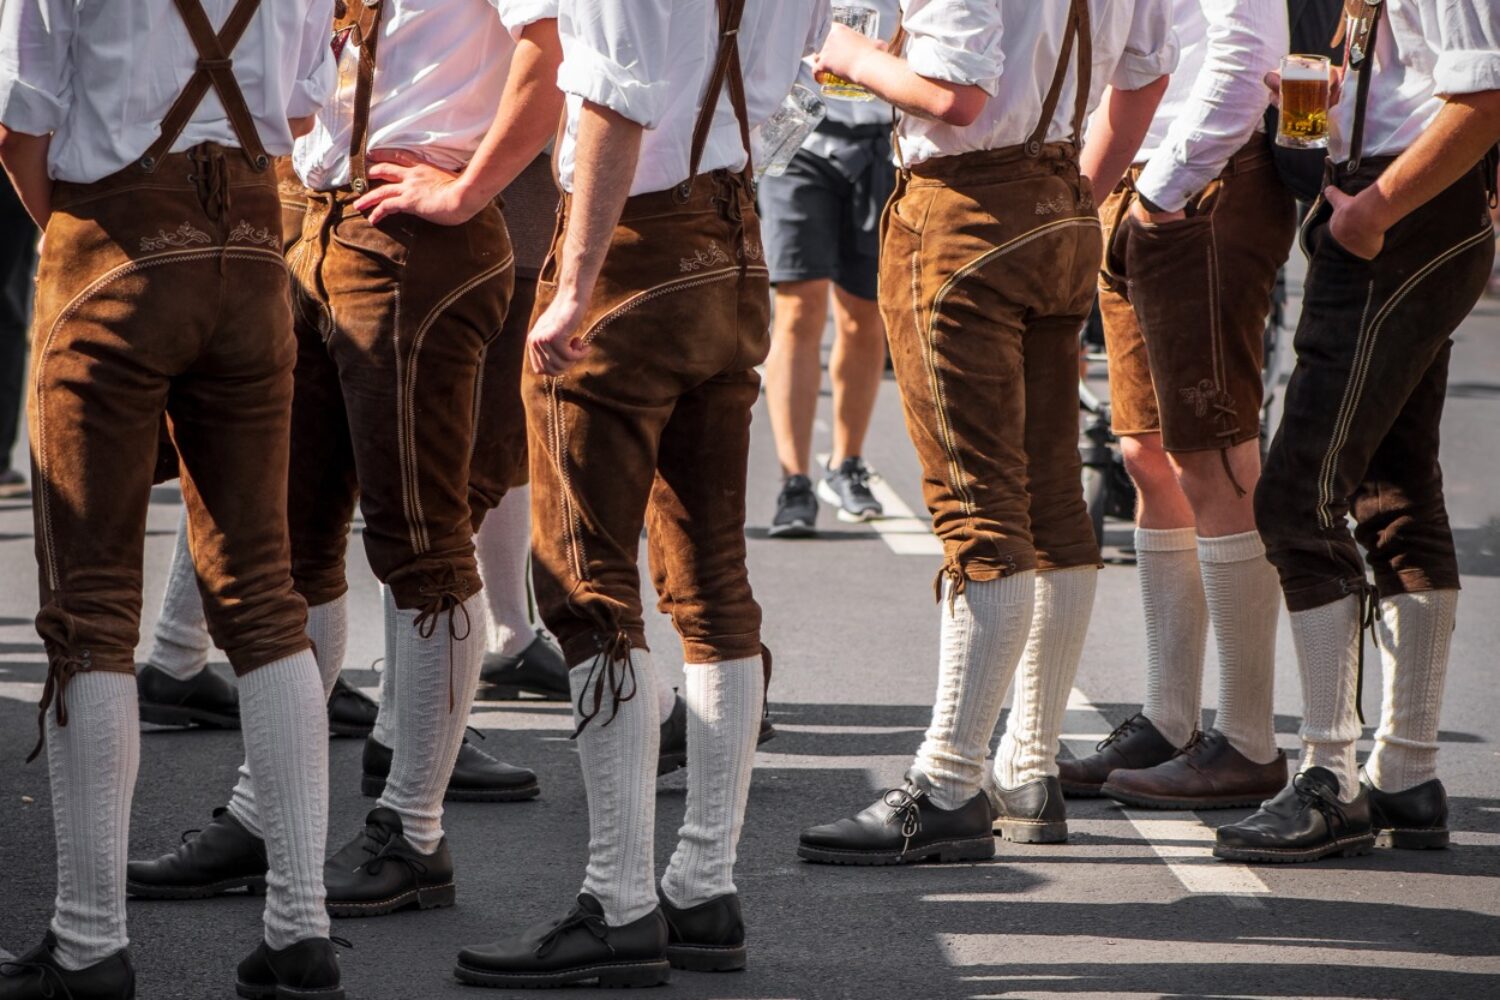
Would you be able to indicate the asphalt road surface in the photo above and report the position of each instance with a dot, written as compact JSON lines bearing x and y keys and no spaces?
{"x":1132,"y":906}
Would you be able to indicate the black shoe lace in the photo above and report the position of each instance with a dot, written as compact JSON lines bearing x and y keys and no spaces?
{"x":904,"y":804}
{"x":388,"y":851}
{"x":1318,"y":796}
{"x":579,"y":918}
{"x":1193,"y":744}
{"x":48,"y":977}
{"x":612,"y":671}
{"x":1121,"y":731}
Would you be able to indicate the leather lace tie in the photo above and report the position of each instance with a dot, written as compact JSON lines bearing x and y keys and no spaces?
{"x":905,"y":810}
{"x":611,"y":671}
{"x":439,"y":600}
{"x":57,"y":630}
{"x":579,"y":918}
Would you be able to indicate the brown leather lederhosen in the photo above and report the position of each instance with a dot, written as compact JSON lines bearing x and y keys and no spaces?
{"x":987,"y":267}
{"x":162,"y":289}
{"x":652,"y":427}
{"x":394,"y":323}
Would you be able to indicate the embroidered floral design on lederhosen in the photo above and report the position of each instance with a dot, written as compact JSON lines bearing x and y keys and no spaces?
{"x":184,"y":235}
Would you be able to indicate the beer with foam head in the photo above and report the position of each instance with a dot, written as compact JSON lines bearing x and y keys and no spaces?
{"x":1304,"y":102}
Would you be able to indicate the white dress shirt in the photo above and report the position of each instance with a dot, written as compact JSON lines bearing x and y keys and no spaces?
{"x":649,"y":61}
{"x":440,"y":71}
{"x":99,"y":75}
{"x":856,"y":113}
{"x":1217,"y":97}
{"x":1425,"y":50}
{"x":1010,"y":48}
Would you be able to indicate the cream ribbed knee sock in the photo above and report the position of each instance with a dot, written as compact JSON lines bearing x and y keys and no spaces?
{"x":181,"y":643}
{"x":1244,"y":600}
{"x":1059,"y":624}
{"x":430,"y":672}
{"x":1416,"y":631}
{"x":1176,"y":629}
{"x":503,"y":546}
{"x":984,"y":631}
{"x":724,"y":703}
{"x":385,"y":716}
{"x":92,"y":763}
{"x":1327,"y":640}
{"x":618,"y":757}
{"x":285,"y":719}
{"x":327,"y":628}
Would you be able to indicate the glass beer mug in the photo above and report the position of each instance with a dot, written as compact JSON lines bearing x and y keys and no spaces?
{"x":866,"y":21}
{"x":1304,"y":102}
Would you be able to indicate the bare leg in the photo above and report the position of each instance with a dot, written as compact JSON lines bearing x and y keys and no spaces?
{"x":855,"y":368}
{"x":794,"y":370}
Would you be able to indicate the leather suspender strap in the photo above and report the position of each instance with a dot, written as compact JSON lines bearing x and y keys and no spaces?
{"x":1078,"y":31}
{"x":1362,"y":91}
{"x":215,"y":69}
{"x":362,"y":18}
{"x":726,"y":64}
{"x":897,"y":47}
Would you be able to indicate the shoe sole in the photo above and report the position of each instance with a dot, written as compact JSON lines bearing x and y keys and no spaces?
{"x":796,"y":529}
{"x":609,"y":975}
{"x":371,"y":787}
{"x":253,"y":886}
{"x":251,"y":992}
{"x":669,"y":762}
{"x":176,"y":715}
{"x":428,"y":898}
{"x":706,"y":958}
{"x":1413,"y":838}
{"x":942,"y":852}
{"x":1159,"y":802}
{"x":1075,"y":791}
{"x":1024,"y":831}
{"x":828,"y":496}
{"x":1348,"y":847}
{"x":512,"y":692}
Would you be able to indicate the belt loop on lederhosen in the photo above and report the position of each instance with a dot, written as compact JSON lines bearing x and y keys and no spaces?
{"x":1359,"y":29}
{"x":726,"y":67}
{"x":1079,"y":30}
{"x":215,"y":69}
{"x":361,"y":19}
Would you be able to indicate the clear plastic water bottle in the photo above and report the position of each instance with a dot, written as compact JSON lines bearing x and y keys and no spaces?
{"x":776,"y":140}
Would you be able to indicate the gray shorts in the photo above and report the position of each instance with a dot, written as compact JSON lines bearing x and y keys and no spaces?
{"x":821,"y":219}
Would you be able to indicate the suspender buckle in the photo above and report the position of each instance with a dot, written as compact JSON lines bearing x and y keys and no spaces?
{"x":359,"y":184}
{"x":1033,"y":148}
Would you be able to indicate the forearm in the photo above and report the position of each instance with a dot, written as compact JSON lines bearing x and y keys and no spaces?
{"x":25,"y":160}
{"x":1118,"y":128}
{"x":1463,"y":131}
{"x":890,"y":78}
{"x":608,"y":147}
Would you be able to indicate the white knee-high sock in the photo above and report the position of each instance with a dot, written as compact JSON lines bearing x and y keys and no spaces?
{"x":1244,"y":600}
{"x":435,"y":682}
{"x":724,"y":703}
{"x":285,"y":722}
{"x":984,"y":631}
{"x":1059,"y":624}
{"x":1416,"y":631}
{"x":92,"y":763}
{"x":330,"y":622}
{"x":385,"y":716}
{"x":503,"y":546}
{"x":181,"y":643}
{"x":1327,"y":640}
{"x":618,"y":757}
{"x":1176,"y":629}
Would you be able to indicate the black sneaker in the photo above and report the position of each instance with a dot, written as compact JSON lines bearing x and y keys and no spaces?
{"x":579,"y":948}
{"x":539,"y":670}
{"x":207,"y":700}
{"x":307,"y":970}
{"x":848,"y":489}
{"x":221,"y":857}
{"x":904,"y":826}
{"x":1032,"y":813}
{"x":351,"y":712}
{"x":36,"y":975}
{"x":476,"y":777}
{"x":708,"y":937}
{"x":673,"y":753}
{"x":1416,"y":819}
{"x":1304,"y":822}
{"x":796,"y":510}
{"x":380,"y":872}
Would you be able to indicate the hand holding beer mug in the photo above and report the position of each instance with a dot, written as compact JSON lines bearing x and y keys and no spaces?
{"x":1304,"y":102}
{"x":865,"y":21}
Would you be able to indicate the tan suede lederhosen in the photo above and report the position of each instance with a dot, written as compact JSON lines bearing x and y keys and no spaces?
{"x":986,"y":277}
{"x":162,"y":289}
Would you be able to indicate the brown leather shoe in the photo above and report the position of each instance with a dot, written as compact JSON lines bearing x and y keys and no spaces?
{"x":1209,"y":773}
{"x":1135,"y":743}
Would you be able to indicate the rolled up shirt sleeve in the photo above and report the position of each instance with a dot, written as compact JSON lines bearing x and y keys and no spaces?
{"x":1468,"y":47}
{"x":956,"y":41}
{"x":517,"y":14}
{"x":1150,"y":47}
{"x":615,"y":56}
{"x":35,"y":70}
{"x":317,"y":71}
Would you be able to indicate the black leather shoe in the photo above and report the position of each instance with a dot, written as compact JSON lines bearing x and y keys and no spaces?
{"x":351,"y":712}
{"x":307,"y":970}
{"x":220,"y":857}
{"x":207,"y":700}
{"x":903,"y":826}
{"x":1416,"y":819}
{"x":673,"y":753}
{"x":1135,"y":743}
{"x":1304,"y":822}
{"x":539,"y":669}
{"x":380,"y":872}
{"x":579,"y":948}
{"x":37,"y":976}
{"x":708,"y":937}
{"x":1032,"y":813}
{"x":476,"y":777}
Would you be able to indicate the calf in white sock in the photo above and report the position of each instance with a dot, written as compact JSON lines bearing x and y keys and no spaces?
{"x":1416,"y":631}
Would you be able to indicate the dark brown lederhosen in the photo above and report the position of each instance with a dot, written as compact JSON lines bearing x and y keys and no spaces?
{"x":986,"y":277}
{"x":392,"y":323}
{"x":162,"y":289}
{"x":652,"y":427}
{"x":1187,"y":349}
{"x":1360,"y":433}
